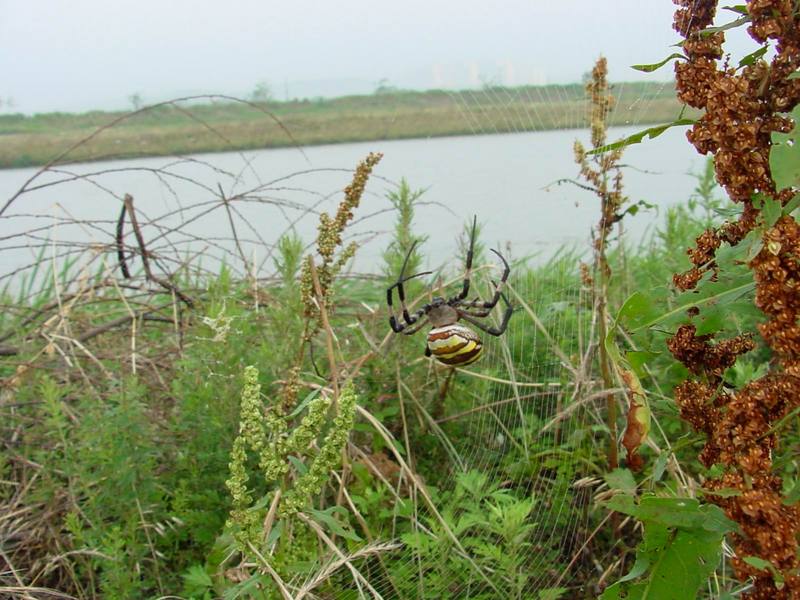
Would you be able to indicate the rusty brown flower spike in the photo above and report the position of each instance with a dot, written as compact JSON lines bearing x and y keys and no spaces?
{"x":743,"y":106}
{"x":741,"y":109}
{"x":604,"y":177}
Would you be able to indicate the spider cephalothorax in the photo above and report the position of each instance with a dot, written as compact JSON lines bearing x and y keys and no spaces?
{"x":450,"y":342}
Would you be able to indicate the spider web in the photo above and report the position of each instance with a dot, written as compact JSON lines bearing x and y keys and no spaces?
{"x":542,"y":405}
{"x":532,"y":396}
{"x":521,"y":402}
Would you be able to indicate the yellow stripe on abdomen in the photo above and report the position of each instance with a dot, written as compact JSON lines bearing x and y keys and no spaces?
{"x":454,"y":345}
{"x":462,"y":349}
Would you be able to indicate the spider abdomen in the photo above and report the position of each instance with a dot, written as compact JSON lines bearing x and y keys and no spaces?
{"x":454,"y":345}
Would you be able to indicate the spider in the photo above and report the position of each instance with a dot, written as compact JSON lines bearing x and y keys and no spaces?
{"x":450,"y":342}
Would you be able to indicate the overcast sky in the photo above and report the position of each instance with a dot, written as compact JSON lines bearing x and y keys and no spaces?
{"x":75,"y":55}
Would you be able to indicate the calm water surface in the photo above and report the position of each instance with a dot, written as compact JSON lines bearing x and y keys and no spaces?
{"x":507,"y":180}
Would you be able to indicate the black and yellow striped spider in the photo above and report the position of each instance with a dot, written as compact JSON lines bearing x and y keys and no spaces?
{"x":450,"y":342}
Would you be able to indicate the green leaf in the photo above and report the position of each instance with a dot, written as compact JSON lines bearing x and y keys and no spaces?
{"x":623,"y":503}
{"x":417,"y":540}
{"x":740,"y":9}
{"x":671,"y":512}
{"x":660,"y":465}
{"x":326,"y":518}
{"x":716,"y":521}
{"x":722,"y":292}
{"x":753,"y":56}
{"x":298,"y":464}
{"x":722,"y":492}
{"x":613,"y":593}
{"x":300,"y":407}
{"x":639,"y":568}
{"x":388,"y":411}
{"x":744,"y":371}
{"x":275,"y":533}
{"x":793,"y":495}
{"x":771,"y":211}
{"x":792,"y":204}
{"x":760,"y":563}
{"x":247,"y":588}
{"x":784,"y":157}
{"x":682,"y":562}
{"x":197,"y":579}
{"x":636,"y":310}
{"x":636,"y":138}
{"x":737,"y":23}
{"x":552,"y":593}
{"x":712,"y":319}
{"x":729,"y":258}
{"x":681,"y":547}
{"x":658,"y":65}
{"x":754,"y":248}
{"x":637,"y":359}
{"x":679,"y":563}
{"x":685,"y":513}
{"x":621,"y":479}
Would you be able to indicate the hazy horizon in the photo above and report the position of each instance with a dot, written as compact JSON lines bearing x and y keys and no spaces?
{"x":127,"y":104}
{"x":93,"y":55}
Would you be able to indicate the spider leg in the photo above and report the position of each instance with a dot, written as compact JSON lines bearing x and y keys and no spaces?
{"x":468,"y":265}
{"x":496,"y":331}
{"x":498,"y":288}
{"x":410,"y":319}
{"x":397,"y":326}
{"x":415,"y":328}
{"x":478,"y":314}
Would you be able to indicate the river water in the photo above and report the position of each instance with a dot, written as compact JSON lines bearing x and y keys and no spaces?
{"x":507,"y":180}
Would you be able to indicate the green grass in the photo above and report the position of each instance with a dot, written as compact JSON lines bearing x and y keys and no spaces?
{"x":124,"y":473}
{"x":117,"y":448}
{"x":224,"y":125}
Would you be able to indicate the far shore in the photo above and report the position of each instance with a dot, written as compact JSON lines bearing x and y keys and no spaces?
{"x":220,"y":125}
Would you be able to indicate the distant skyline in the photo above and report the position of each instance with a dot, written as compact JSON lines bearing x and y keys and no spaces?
{"x":435,"y":76}
{"x":78,"y":55}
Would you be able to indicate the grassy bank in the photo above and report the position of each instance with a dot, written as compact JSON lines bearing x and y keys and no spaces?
{"x":172,"y":431}
{"x":195,"y":127}
{"x":121,"y":414}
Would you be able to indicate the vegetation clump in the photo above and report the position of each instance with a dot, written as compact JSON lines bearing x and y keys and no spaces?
{"x":744,"y":107}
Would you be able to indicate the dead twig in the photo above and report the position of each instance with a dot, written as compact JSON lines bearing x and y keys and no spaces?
{"x":357,"y":576}
{"x":167,"y":285}
{"x":105,"y":327}
{"x":123,"y":266}
{"x":225,"y":202}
